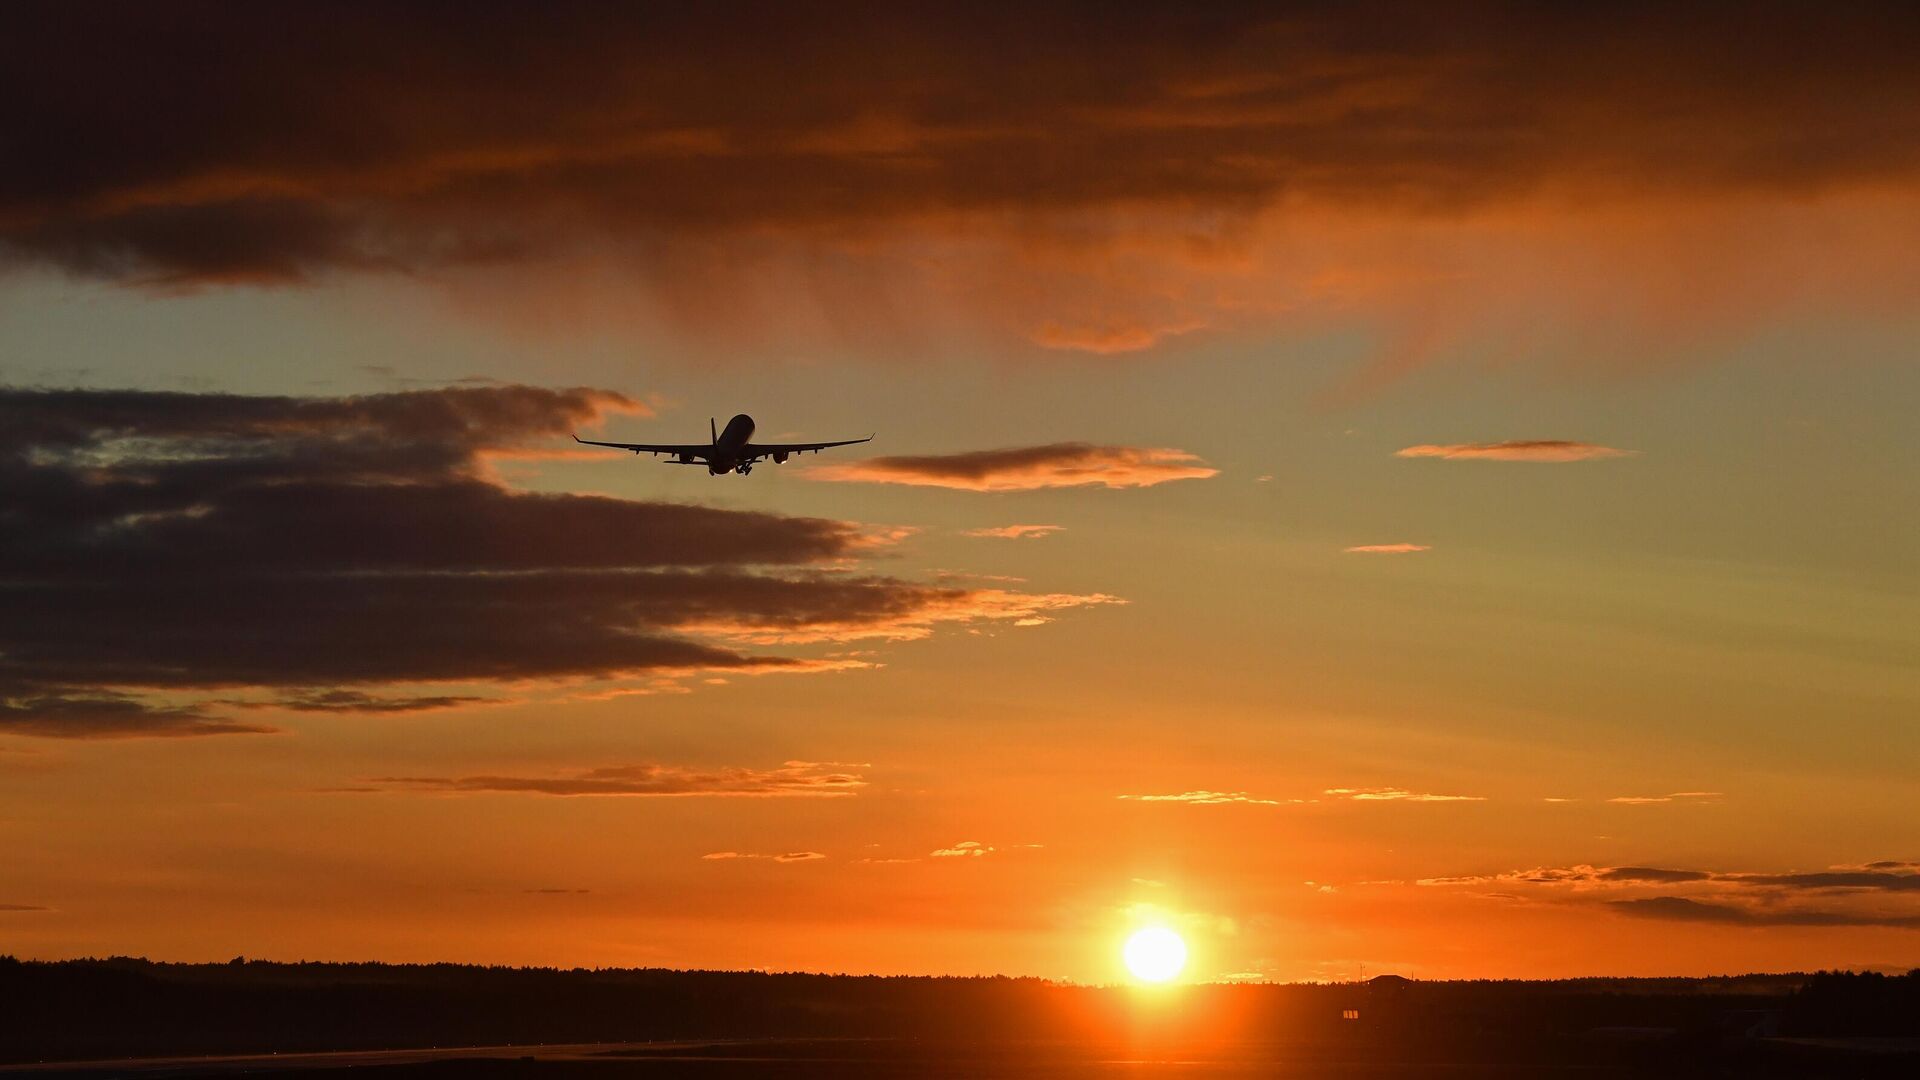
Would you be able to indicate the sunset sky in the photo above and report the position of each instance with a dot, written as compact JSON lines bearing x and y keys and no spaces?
{"x":1373,"y":486}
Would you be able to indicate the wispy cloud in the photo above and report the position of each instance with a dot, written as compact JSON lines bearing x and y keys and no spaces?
{"x":1677,"y":796}
{"x":1112,"y":337}
{"x":1537,"y":450}
{"x":1209,"y":798}
{"x":1575,"y":875}
{"x":1394,"y":794}
{"x":1016,"y":532}
{"x":1386,"y":549}
{"x":973,"y":849}
{"x":792,"y":779}
{"x":1027,"y":468}
{"x":880,"y":616}
{"x":23,"y":907}
{"x":783,"y":857}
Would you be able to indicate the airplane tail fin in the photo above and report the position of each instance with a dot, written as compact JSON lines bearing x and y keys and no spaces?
{"x":713,"y":425}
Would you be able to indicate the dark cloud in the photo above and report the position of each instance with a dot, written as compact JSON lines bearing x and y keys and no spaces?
{"x":1682,"y":909}
{"x":23,"y":907}
{"x":153,"y":544}
{"x":353,"y":701}
{"x":1026,"y":468}
{"x":214,"y":142}
{"x":1855,"y":897}
{"x":795,"y":778}
{"x":1650,"y":875}
{"x":1874,"y":880}
{"x":26,"y":709}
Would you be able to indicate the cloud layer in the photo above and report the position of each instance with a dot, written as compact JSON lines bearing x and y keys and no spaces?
{"x":160,"y":552}
{"x":313,"y":137}
{"x":1027,"y":468}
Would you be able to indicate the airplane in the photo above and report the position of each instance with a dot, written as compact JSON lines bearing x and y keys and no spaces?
{"x":731,"y":450}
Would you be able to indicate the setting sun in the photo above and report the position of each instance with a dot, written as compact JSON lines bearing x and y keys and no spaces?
{"x":1155,"y":954}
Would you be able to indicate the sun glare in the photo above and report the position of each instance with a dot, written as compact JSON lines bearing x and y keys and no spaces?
{"x":1154,"y":954}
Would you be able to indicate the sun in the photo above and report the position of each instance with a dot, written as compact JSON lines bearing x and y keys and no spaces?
{"x":1154,"y":954}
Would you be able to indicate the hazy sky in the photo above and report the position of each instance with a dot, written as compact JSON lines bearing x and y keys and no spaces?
{"x":1430,"y":492}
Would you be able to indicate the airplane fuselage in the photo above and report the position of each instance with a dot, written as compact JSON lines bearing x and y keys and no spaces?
{"x":728,"y":444}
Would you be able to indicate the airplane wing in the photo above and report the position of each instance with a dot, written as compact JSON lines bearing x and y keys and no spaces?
{"x":759,"y":449}
{"x":699,"y":449}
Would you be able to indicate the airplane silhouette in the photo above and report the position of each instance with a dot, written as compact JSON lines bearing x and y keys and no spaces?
{"x":731,"y":450}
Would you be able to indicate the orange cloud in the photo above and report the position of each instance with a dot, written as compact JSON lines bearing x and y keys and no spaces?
{"x":1110,"y":338}
{"x":1392,"y":794}
{"x":1386,"y":549}
{"x":1541,"y":450}
{"x":783,"y":857}
{"x":1027,"y":468}
{"x":875,"y":610}
{"x":1210,"y":798}
{"x":1678,"y":796}
{"x":1016,"y":532}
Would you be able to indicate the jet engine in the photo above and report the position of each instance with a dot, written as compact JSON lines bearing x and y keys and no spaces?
{"x":780,"y":458}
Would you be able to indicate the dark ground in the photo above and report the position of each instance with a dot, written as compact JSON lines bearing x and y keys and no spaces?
{"x":130,"y":1017}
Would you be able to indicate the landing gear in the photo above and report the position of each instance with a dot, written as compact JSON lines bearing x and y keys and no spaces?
{"x":745,"y":468}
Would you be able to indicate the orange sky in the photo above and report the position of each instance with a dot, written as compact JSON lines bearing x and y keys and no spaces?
{"x":1361,"y":489}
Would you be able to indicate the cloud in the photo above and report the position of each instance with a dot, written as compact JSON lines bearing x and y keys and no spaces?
{"x":1644,"y":874}
{"x":1015,"y":532}
{"x":353,"y":701}
{"x":1392,"y":794}
{"x":1582,"y":875}
{"x":1677,"y":796}
{"x":1210,"y":798}
{"x":28,"y":709}
{"x":807,"y":609}
{"x":973,"y":849}
{"x":1386,"y":549}
{"x":1448,"y":179}
{"x":1536,"y":450}
{"x":1106,"y":340}
{"x":1027,"y":468}
{"x":1682,"y":909}
{"x":157,"y":548}
{"x":1852,"y":896}
{"x":804,"y":779}
{"x":637,"y":125}
{"x":784,"y":857}
{"x":1835,"y":880}
{"x":23,"y":907}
